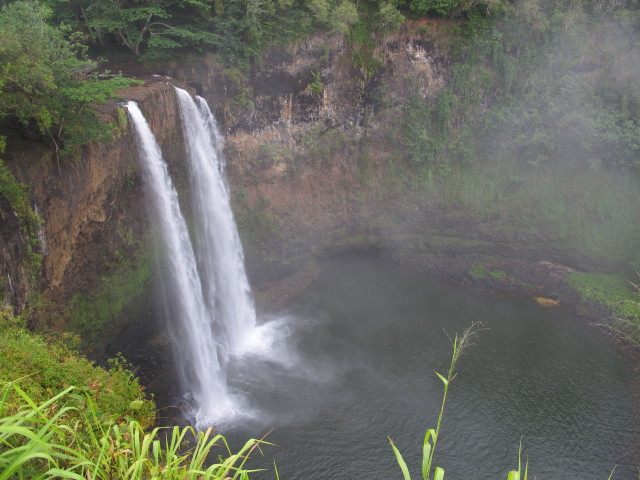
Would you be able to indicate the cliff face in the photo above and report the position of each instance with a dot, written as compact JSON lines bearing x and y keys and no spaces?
{"x":14,"y":280}
{"x":311,"y":143}
{"x":93,"y":208}
{"x":303,"y":127}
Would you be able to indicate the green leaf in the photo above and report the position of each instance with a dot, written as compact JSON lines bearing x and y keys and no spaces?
{"x":401,"y":462}
{"x":58,"y":473}
{"x":438,"y":474}
{"x":444,"y":380}
{"x":426,"y":464}
{"x":611,"y":474}
{"x":426,"y":452}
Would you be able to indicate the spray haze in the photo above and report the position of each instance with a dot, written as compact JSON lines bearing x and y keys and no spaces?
{"x":537,"y":133}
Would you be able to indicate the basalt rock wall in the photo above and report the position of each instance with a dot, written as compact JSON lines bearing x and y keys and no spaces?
{"x":312,"y":140}
{"x":93,"y":210}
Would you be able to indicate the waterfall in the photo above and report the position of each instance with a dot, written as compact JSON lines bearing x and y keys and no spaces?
{"x":195,"y":279}
{"x":218,"y":249}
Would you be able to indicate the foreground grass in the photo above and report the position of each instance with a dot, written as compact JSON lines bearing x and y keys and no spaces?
{"x":63,"y":417}
{"x":459,"y":344}
{"x":40,"y":442}
{"x":429,"y":471}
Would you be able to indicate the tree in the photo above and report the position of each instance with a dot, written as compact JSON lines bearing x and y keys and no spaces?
{"x":44,"y":82}
{"x":453,"y":8}
{"x":132,"y":24}
{"x":34,"y":59}
{"x":141,"y":26}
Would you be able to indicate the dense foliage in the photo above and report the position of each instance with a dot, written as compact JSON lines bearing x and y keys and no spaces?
{"x":43,"y":367}
{"x":547,"y":94}
{"x":237,"y":28}
{"x":452,"y":7}
{"x":154,"y":28}
{"x":44,"y":82}
{"x":553,"y":84}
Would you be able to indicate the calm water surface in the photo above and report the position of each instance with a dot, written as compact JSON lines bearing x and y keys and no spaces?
{"x":356,"y":366}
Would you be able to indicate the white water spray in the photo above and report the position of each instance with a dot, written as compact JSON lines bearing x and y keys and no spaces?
{"x":200,"y":356}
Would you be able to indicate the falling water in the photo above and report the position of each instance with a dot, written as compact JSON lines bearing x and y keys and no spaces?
{"x":218,"y":249}
{"x":195,"y":344}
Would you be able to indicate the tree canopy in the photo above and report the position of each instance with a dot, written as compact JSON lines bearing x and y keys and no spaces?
{"x":44,"y":78}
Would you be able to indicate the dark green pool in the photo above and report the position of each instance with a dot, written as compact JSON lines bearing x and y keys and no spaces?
{"x":357,"y":366}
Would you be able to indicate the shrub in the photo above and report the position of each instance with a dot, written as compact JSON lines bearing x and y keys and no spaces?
{"x":45,"y":367}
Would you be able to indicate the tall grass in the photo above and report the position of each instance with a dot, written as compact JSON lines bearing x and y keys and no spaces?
{"x":459,"y":345}
{"x":38,"y":442}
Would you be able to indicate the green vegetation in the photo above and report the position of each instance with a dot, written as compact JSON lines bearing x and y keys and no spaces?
{"x":453,"y":8}
{"x":63,"y":417}
{"x":44,"y":81}
{"x":65,"y":436}
{"x":564,"y":96}
{"x":586,"y":211}
{"x":617,"y":295}
{"x":270,"y":155}
{"x":427,"y":131}
{"x":322,"y":143}
{"x":17,"y":196}
{"x":154,"y":30}
{"x":257,"y":226}
{"x":92,"y":313}
{"x":478,"y":271}
{"x":459,"y":345}
{"x":376,"y":19}
{"x":43,"y":367}
{"x":316,"y":86}
{"x":538,"y":125}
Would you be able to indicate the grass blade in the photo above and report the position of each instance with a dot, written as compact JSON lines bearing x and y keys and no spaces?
{"x":438,"y":474}
{"x":401,"y":462}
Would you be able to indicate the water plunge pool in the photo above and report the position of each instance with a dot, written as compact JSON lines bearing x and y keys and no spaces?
{"x":354,"y":364}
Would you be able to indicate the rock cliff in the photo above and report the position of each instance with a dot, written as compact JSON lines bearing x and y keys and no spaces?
{"x":311,"y":143}
{"x":92,"y":207}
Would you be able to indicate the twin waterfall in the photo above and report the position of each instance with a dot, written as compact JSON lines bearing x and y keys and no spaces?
{"x":207,"y":295}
